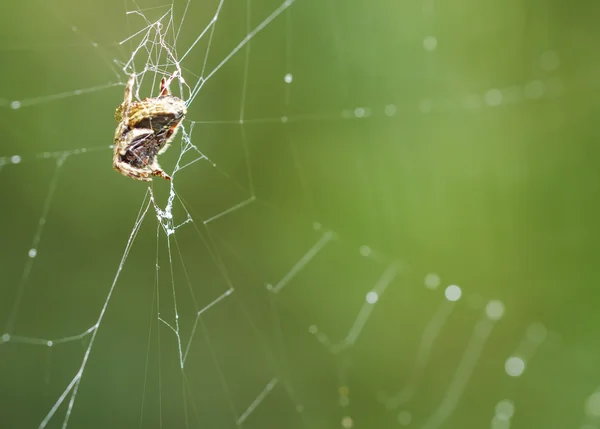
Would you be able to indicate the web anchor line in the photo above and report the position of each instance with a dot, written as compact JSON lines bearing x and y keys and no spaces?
{"x":260,"y":398}
{"x":74,"y":384}
{"x":313,"y":251}
{"x":387,"y":277}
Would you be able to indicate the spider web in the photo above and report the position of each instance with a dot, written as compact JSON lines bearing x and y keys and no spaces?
{"x":317,"y":259}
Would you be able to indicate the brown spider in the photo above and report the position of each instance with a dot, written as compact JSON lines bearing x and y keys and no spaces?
{"x":145,"y":130}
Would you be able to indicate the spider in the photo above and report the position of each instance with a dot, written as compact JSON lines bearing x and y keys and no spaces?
{"x":145,"y":130}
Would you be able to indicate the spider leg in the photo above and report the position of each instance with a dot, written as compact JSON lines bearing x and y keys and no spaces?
{"x":164,"y":87}
{"x":129,"y":170}
{"x":129,"y":90}
{"x":123,"y":109}
{"x":164,"y":84}
{"x":157,"y":171}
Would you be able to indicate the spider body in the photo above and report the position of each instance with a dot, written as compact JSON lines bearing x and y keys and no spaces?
{"x":144,"y":131}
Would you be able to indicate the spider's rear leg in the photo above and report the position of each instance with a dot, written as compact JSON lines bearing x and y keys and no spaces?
{"x":157,"y":171}
{"x":133,"y":172}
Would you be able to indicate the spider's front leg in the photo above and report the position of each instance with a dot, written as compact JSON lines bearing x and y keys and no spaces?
{"x":164,"y":84}
{"x":164,"y":87}
{"x":123,"y":109}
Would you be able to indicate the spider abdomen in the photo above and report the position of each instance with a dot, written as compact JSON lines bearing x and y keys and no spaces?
{"x":145,"y":130}
{"x":156,"y":113}
{"x":160,"y":122}
{"x":140,"y":157}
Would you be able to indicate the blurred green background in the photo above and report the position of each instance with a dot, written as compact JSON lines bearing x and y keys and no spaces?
{"x":459,"y":139}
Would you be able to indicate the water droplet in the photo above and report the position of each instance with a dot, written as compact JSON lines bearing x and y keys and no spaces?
{"x":372,"y":297}
{"x":535,"y":89}
{"x":430,"y":43}
{"x":347,"y":422}
{"x":592,"y":405}
{"x":432,"y":280}
{"x":453,"y":293}
{"x":404,"y":418}
{"x":505,"y":409}
{"x":390,"y":110}
{"x":498,"y":423}
{"x":493,"y":97}
{"x":514,"y":366}
{"x":494,"y":310}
